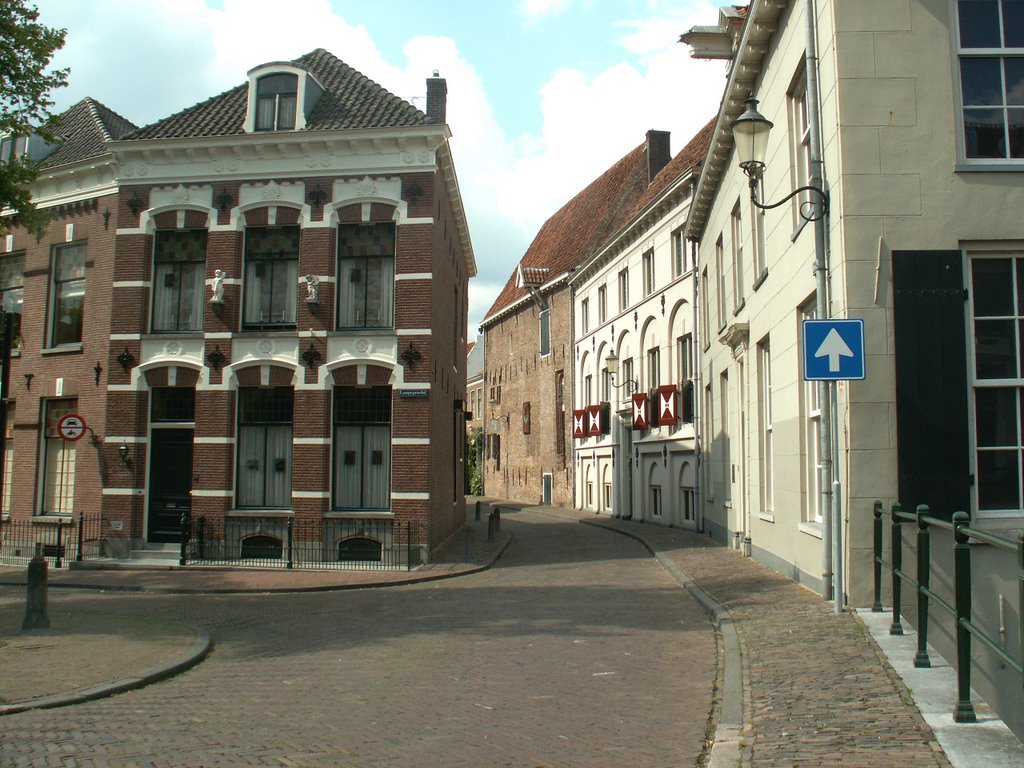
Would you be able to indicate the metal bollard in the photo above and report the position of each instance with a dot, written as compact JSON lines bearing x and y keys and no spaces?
{"x":964,"y":712}
{"x":897,"y":567}
{"x":58,"y":563}
{"x":81,"y":536}
{"x":476,"y":515}
{"x":497,"y":518}
{"x":36,"y":616}
{"x":876,"y":607}
{"x":185,"y":532}
{"x":924,"y":568}
{"x":291,"y":559}
{"x":490,"y":527}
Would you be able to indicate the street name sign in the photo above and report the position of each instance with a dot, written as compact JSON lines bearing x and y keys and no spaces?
{"x":833,"y":350}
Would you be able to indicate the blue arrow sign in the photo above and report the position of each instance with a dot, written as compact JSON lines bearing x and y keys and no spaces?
{"x":833,"y":350}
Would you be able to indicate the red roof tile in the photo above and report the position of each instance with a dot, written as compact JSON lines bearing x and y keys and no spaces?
{"x":581,"y":225}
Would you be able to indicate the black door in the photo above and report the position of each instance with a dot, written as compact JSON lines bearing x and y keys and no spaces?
{"x":170,"y":483}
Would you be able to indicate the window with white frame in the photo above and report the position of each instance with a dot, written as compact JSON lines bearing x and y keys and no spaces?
{"x":271,"y":276}
{"x":606,"y":385}
{"x":720,"y":270}
{"x":179,"y":275}
{"x":58,"y":490}
{"x":626,"y":366}
{"x":12,"y":290}
{"x":5,"y":506}
{"x":812,"y":439}
{"x":724,"y":440}
{"x":704,"y":322}
{"x":362,"y":448}
{"x":736,"y":222}
{"x":648,"y":272}
{"x":684,"y":359}
{"x":588,"y":390}
{"x":623,"y":289}
{"x":585,"y":316}
{"x":990,"y":38}
{"x":265,"y":447}
{"x":602,"y":304}
{"x":799,"y":141}
{"x":68,"y":297}
{"x":678,"y":253}
{"x":366,"y":275}
{"x":656,"y":501}
{"x":276,"y":98}
{"x":708,"y":416}
{"x":545,"y":331}
{"x":997,"y":308}
{"x":653,"y":367}
{"x":766,"y":438}
{"x":757,"y":240}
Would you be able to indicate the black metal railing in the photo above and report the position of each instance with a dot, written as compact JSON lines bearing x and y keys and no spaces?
{"x":275,"y":542}
{"x":60,"y":541}
{"x":960,"y":607}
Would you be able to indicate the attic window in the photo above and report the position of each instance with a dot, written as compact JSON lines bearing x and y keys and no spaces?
{"x":276,"y":97}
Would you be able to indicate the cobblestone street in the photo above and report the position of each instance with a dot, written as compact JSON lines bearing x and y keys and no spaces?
{"x":576,"y":649}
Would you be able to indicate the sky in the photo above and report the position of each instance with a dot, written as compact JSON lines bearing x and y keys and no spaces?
{"x":543,"y":95}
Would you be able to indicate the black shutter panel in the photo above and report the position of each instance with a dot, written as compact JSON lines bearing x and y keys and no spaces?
{"x":931,"y":381}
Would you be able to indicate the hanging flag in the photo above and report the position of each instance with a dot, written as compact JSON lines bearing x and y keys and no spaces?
{"x":668,"y":405}
{"x":641,"y":402}
{"x":579,"y":419}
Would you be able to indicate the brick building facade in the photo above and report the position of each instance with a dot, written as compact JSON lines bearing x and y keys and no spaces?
{"x":528,"y":335}
{"x":267,"y":328}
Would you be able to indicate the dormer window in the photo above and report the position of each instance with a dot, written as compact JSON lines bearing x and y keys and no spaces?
{"x":282,"y":96}
{"x":276,"y":96}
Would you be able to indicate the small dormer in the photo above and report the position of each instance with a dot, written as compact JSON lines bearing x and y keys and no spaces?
{"x":281,"y":97}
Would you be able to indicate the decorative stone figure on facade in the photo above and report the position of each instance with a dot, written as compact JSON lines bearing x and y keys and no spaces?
{"x":218,"y":286}
{"x":313,"y":289}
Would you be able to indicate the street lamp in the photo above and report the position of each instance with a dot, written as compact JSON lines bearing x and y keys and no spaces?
{"x":750,"y":135}
{"x":612,"y":364}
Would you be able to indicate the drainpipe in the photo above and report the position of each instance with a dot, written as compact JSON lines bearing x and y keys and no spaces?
{"x":697,"y":394}
{"x":831,"y":528}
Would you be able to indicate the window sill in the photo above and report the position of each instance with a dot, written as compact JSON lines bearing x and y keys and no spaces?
{"x":271,"y":512}
{"x":374,"y":514}
{"x":51,"y":519}
{"x":997,"y":167}
{"x":760,"y":280}
{"x":739,"y":307}
{"x":381,"y":329}
{"x":811,"y":529}
{"x":768,"y":516}
{"x":263,"y":330}
{"x":62,"y":349}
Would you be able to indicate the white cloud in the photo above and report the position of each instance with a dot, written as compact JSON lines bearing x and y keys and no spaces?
{"x":535,"y":9}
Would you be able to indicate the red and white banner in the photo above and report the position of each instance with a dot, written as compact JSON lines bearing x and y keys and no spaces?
{"x":668,"y":405}
{"x":594,"y":424}
{"x":579,"y":420}
{"x":641,"y":405}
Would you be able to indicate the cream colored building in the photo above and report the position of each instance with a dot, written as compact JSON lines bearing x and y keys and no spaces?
{"x":922,"y":137}
{"x":633,"y":301}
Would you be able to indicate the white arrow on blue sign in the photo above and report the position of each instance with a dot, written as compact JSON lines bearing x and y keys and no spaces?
{"x":833,"y":350}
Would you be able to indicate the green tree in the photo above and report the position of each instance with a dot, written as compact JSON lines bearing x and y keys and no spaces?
{"x":26,"y":48}
{"x":474,"y":473}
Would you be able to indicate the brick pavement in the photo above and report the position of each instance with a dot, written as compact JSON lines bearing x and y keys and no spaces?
{"x":817,"y":689}
{"x":575,"y":649}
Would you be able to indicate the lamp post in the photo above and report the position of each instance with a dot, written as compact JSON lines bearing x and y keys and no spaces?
{"x":750,"y":134}
{"x":611,"y":362}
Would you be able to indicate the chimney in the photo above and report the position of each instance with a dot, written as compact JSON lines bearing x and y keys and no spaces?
{"x":658,"y":153}
{"x":437,"y":99}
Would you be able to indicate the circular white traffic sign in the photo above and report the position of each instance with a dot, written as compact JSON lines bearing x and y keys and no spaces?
{"x":71,"y":426}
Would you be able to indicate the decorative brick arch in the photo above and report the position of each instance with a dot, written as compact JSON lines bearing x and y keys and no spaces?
{"x":252,"y":375}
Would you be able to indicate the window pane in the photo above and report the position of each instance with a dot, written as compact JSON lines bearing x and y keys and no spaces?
{"x":1014,"y":69}
{"x":993,"y":287}
{"x":12,"y":271}
{"x":996,"y":415}
{"x":69,"y":303}
{"x":265,"y":113}
{"x":985,"y":133}
{"x":998,"y":480}
{"x":982,"y":81}
{"x":281,"y":83}
{"x":979,"y":23}
{"x":70,"y":262}
{"x":1016,"y":121}
{"x":285,"y":112}
{"x":1013,"y":23}
{"x":995,"y":349}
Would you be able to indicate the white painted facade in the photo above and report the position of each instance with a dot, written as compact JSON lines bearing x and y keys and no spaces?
{"x":618,"y":306}
{"x":898,"y":167}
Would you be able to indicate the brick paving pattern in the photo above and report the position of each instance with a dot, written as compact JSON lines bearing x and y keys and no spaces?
{"x":576,"y":649}
{"x":820,"y":692}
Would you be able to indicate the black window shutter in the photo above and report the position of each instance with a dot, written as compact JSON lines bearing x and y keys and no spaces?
{"x":931,"y":381}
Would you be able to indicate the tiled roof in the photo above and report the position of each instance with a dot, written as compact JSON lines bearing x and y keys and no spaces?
{"x":581,"y":225}
{"x":535,"y":276}
{"x":86,"y":128}
{"x":689,"y":158}
{"x":469,"y":348}
{"x":350,"y":100}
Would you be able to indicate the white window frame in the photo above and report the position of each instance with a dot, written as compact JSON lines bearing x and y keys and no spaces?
{"x":766,"y":447}
{"x":602,"y":304}
{"x":585,"y":316}
{"x":811,"y":407}
{"x":647,"y":260}
{"x":736,"y":226}
{"x":679,"y":265}
{"x":1001,"y":52}
{"x":57,"y":484}
{"x":623,"y":289}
